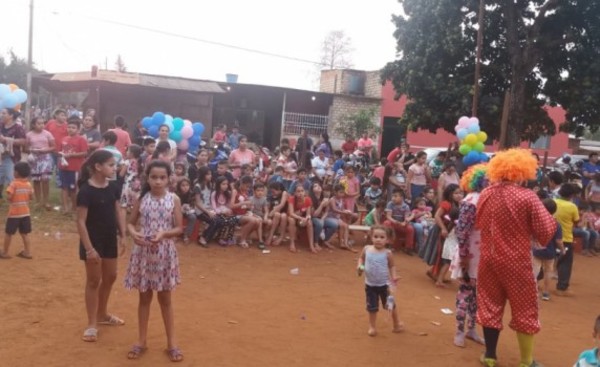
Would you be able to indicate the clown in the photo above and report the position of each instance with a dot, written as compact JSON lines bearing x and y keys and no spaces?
{"x":508,"y":216}
{"x":466,"y":259}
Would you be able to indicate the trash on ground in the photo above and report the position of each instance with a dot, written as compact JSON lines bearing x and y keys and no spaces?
{"x":447,"y":311}
{"x":295,"y":271}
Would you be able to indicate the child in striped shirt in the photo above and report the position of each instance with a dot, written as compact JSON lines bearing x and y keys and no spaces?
{"x":19,"y":194}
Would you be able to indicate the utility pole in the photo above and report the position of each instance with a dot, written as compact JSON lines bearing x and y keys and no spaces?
{"x":478,"y":58}
{"x":29,"y":67}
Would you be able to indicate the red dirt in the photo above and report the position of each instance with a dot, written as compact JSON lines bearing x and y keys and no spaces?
{"x":239,"y":307}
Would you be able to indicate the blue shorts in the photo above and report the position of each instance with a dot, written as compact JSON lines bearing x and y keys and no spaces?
{"x":68,"y":179}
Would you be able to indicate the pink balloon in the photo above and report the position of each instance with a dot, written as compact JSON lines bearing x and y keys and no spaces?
{"x":187,"y":123}
{"x":183,"y":144}
{"x":463,"y":121}
{"x":187,"y":131}
{"x":457,"y":127}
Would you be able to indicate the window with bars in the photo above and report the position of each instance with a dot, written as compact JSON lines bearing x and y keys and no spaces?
{"x":295,"y":122}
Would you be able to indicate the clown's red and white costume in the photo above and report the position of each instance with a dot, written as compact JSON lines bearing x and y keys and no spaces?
{"x":509,"y":216}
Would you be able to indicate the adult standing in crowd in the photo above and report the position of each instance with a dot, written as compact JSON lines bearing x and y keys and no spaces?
{"x":303,"y":148}
{"x":12,"y":138}
{"x":163,"y":135}
{"x":123,"y":138}
{"x":590,"y":168}
{"x":509,"y":217}
{"x":401,"y":155}
{"x":349,"y":146}
{"x":241,"y":156}
{"x":325,"y":145}
{"x":139,"y":133}
{"x":91,"y":133}
{"x":365,"y":144}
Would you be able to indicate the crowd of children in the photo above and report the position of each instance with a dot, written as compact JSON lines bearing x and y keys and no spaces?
{"x":167,"y":197}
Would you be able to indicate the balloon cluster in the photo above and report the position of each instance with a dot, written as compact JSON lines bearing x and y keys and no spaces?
{"x":186,"y":134}
{"x":11,"y":96}
{"x":472,"y":140}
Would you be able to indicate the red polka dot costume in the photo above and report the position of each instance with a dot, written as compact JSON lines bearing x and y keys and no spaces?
{"x":509,"y":216}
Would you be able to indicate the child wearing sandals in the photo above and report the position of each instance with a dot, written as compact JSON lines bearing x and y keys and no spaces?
{"x":377,"y":263}
{"x":154,"y":265}
{"x":19,"y":193}
{"x":299,"y":215}
{"x":278,"y":202}
{"x":337,"y":211}
{"x":241,"y":205}
{"x":260,"y":212}
{"x":221,"y":200}
{"x":101,"y":231}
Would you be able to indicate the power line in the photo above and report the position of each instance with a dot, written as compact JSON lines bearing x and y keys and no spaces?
{"x":191,"y":38}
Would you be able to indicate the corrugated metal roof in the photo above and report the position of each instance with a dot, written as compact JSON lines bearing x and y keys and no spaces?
{"x":146,"y":80}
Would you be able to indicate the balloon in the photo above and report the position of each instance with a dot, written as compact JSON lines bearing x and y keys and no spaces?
{"x":183,"y":145}
{"x":158,"y":118}
{"x":147,"y":122}
{"x":482,"y":136}
{"x":462,"y":134}
{"x":198,"y":128}
{"x":10,"y":101}
{"x":169,"y":124}
{"x":479,"y":147}
{"x":177,"y":123}
{"x":470,"y":139}
{"x":463,"y":121}
{"x":473,"y":129}
{"x":187,"y":131}
{"x":176,"y":136}
{"x":168,"y":119}
{"x":471,"y":158}
{"x":4,"y":90}
{"x":187,"y":123}
{"x":473,"y":121}
{"x":483,"y":157}
{"x":13,"y":87}
{"x":194,"y":141}
{"x":20,"y":95}
{"x":464,"y":149}
{"x":153,"y":131}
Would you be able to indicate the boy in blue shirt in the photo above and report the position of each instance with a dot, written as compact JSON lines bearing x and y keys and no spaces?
{"x":589,"y":358}
{"x":339,"y":162}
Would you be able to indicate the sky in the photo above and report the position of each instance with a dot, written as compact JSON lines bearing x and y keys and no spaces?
{"x":73,"y":35}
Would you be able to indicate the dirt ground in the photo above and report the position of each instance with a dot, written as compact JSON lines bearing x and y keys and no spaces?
{"x":239,"y":307}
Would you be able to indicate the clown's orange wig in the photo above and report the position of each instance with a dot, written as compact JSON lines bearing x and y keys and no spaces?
{"x":512,"y":165}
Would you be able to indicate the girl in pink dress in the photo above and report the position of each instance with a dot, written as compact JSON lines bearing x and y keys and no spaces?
{"x":352,"y":191}
{"x":154,"y":265}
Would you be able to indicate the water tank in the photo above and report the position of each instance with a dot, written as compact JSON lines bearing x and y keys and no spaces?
{"x":356,"y":84}
{"x":231,"y":78}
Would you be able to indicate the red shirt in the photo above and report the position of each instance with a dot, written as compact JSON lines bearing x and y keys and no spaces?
{"x":123,"y":140}
{"x":240,"y":197}
{"x":301,"y":209}
{"x":73,"y":144}
{"x":58,"y":131}
{"x":349,"y":147}
{"x":219,"y":136}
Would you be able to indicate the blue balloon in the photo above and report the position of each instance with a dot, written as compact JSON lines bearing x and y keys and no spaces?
{"x":20,"y":95}
{"x":473,"y":129}
{"x":483,"y":157}
{"x":147,"y":122}
{"x":462,"y":134}
{"x":158,"y":118}
{"x":10,"y":101}
{"x":198,"y":128}
{"x":153,"y":131}
{"x":471,"y":158}
{"x":176,"y":136}
{"x":194,"y":141}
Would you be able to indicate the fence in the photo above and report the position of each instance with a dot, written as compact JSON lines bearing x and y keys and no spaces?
{"x":295,"y":122}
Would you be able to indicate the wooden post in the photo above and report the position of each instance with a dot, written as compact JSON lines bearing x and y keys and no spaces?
{"x":478,"y":58}
{"x":504,"y":120}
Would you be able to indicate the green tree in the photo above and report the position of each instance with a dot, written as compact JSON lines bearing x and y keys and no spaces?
{"x":358,"y":123}
{"x":15,"y":71}
{"x":545,"y":51}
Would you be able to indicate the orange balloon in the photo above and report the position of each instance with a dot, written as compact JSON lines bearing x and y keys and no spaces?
{"x":13,"y":87}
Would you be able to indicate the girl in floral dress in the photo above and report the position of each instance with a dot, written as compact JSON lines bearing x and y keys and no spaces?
{"x":154,"y":265}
